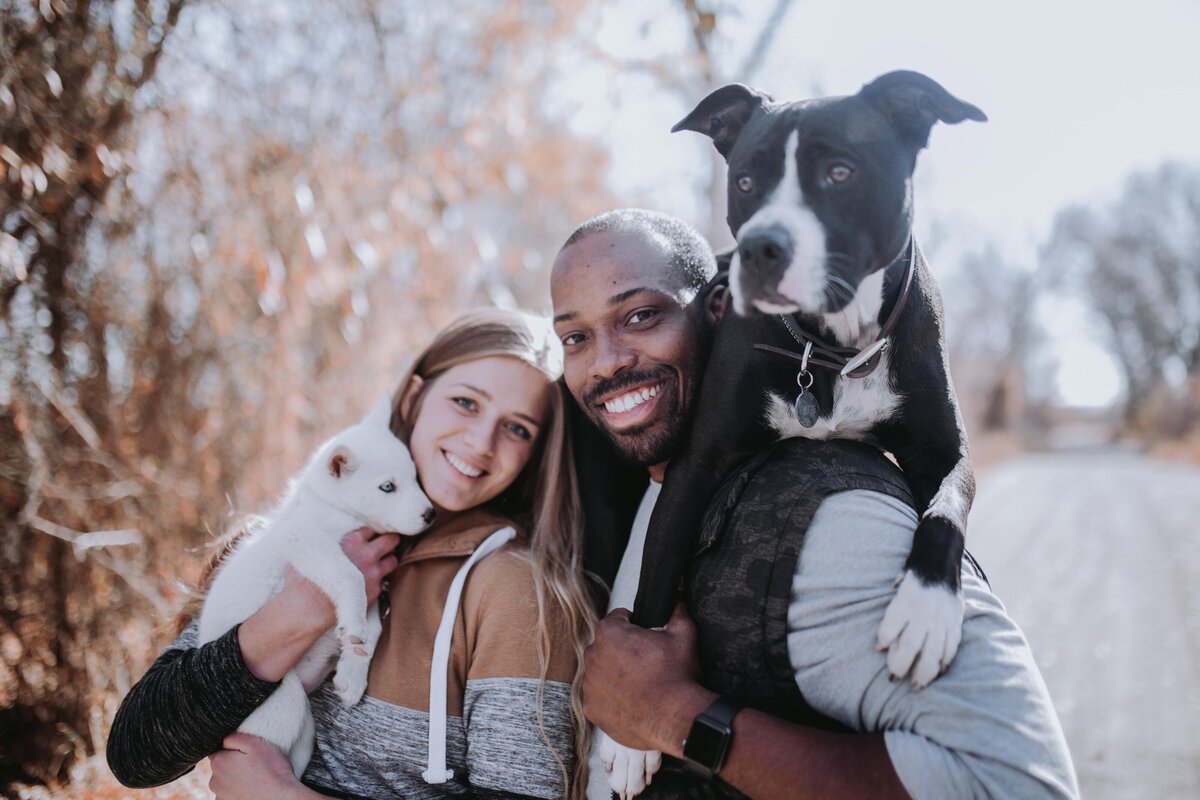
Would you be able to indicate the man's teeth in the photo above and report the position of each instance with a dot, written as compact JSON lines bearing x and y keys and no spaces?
{"x":462,"y":466}
{"x":625,"y":402}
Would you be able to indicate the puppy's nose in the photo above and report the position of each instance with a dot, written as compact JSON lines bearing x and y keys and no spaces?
{"x":428,"y":515}
{"x":766,"y":251}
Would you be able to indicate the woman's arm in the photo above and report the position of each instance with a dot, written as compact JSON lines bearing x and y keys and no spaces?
{"x":192,"y":697}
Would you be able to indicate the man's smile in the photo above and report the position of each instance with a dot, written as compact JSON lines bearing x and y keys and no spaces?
{"x":632,"y":407}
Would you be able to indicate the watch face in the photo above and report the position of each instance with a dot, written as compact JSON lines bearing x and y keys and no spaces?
{"x":706,"y":744}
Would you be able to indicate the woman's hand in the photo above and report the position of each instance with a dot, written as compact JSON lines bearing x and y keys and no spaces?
{"x":369,"y":551}
{"x":275,"y":637}
{"x":251,"y":768}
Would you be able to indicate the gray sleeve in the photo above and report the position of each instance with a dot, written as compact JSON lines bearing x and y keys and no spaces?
{"x":190,"y":699}
{"x":507,"y":749}
{"x":986,"y":728}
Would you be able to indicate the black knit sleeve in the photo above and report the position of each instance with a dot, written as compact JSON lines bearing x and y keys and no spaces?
{"x":181,"y":710}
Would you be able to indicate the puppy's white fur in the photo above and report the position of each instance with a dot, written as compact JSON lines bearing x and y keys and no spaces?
{"x":362,"y":476}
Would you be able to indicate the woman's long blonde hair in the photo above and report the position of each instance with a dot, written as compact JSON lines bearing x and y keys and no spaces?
{"x":544,"y":498}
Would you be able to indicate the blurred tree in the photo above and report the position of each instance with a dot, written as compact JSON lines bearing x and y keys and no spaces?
{"x":1137,"y":264}
{"x":68,"y":75}
{"x":296,"y":196}
{"x":993,"y":335}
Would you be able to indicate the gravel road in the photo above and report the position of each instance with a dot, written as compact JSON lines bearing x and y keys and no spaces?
{"x":1096,"y":554}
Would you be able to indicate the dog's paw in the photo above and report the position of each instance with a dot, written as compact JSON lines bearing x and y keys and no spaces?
{"x":350,"y":678}
{"x":921,"y":630}
{"x":629,"y":771}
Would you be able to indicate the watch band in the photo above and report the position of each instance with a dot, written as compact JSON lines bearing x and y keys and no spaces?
{"x":707,"y":744}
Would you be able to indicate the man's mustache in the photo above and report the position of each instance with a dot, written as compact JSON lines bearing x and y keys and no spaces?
{"x":624,"y":380}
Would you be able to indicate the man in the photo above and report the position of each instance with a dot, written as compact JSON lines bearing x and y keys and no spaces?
{"x":634,"y":311}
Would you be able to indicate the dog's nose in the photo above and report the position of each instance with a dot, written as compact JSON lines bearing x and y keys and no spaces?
{"x":428,"y":515}
{"x":766,"y":251}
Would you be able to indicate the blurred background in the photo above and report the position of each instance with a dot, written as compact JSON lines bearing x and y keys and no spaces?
{"x":225,"y":226}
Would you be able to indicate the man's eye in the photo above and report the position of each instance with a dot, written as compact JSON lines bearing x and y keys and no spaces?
{"x":520,"y":430}
{"x":466,"y":403}
{"x":387,"y":487}
{"x":641,"y":315}
{"x":572,"y":339}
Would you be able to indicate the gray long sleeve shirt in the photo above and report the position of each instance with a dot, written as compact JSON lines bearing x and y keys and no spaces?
{"x":987,"y":728}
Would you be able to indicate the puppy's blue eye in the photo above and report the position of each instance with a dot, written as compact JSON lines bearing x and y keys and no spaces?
{"x":745,"y":183}
{"x":387,"y":488}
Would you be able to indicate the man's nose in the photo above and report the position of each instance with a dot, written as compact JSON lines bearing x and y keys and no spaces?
{"x":612,"y":356}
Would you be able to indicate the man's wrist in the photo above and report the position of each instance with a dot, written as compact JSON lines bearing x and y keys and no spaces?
{"x":690,"y":701}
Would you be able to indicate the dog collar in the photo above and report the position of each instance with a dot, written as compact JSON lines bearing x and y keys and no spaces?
{"x":849,"y":362}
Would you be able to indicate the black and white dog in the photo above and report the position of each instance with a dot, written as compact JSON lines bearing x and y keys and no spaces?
{"x":849,"y":342}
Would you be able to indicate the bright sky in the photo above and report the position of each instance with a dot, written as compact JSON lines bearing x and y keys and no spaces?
{"x":1078,"y":94}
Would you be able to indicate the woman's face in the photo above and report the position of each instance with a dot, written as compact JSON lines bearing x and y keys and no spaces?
{"x":476,"y":428}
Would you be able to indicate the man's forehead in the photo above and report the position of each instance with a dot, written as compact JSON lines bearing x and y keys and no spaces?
{"x":613,"y":262}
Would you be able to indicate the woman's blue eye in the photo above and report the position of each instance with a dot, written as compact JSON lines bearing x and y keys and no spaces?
{"x":387,"y":487}
{"x":466,"y":403}
{"x":520,"y":430}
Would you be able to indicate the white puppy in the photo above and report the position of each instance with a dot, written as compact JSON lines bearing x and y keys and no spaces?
{"x":362,"y":476}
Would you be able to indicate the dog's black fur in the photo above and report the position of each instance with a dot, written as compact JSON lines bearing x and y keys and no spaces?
{"x":868,"y":222}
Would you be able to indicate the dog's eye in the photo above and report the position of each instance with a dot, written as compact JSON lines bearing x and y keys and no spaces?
{"x":387,"y":487}
{"x":839,"y":173}
{"x":745,"y":184}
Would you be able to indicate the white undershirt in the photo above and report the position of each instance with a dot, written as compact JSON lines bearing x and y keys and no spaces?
{"x":625,"y":585}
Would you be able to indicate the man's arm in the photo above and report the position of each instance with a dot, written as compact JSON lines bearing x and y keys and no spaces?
{"x":642,"y":688}
{"x":986,"y":728}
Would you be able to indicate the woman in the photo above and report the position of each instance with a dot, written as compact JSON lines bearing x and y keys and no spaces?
{"x":495,"y":713}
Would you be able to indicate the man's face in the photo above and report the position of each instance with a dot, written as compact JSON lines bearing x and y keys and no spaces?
{"x":631,"y":340}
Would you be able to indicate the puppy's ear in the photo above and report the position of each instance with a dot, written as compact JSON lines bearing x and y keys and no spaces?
{"x":341,"y":462}
{"x":913,"y":103}
{"x":722,"y":115}
{"x":380,"y":414}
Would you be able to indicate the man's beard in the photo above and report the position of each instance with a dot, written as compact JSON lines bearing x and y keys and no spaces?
{"x":652,"y":442}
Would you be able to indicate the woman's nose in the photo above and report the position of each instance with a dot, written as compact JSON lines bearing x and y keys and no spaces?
{"x":481,"y":437}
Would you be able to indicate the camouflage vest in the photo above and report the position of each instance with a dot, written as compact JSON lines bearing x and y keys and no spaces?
{"x":740,"y":580}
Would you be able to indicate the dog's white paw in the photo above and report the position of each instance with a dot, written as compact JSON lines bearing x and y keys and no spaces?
{"x":350,"y":678}
{"x":921,"y":630}
{"x":629,"y":771}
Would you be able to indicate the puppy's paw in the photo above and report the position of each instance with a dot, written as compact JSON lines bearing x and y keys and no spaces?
{"x":350,"y":679}
{"x":629,"y":771}
{"x":921,"y":630}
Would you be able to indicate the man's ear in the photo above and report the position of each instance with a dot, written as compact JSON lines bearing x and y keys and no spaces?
{"x":722,"y":115}
{"x":913,"y":103}
{"x":408,"y":398}
{"x":716,"y":303}
{"x":341,"y":462}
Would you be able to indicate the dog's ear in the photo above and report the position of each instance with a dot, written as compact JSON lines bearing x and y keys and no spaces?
{"x":722,"y":115}
{"x":380,"y":415}
{"x":341,"y":462}
{"x":913,"y":103}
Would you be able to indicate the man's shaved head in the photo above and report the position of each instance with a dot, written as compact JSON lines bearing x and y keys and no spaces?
{"x":689,"y":256}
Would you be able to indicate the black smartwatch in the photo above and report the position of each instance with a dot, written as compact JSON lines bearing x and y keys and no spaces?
{"x":707,"y":743}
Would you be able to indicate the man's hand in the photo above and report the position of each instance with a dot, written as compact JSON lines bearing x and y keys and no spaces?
{"x":251,"y":768}
{"x":642,"y":687}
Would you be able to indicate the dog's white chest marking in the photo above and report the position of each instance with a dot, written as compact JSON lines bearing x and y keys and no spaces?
{"x":858,"y":403}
